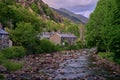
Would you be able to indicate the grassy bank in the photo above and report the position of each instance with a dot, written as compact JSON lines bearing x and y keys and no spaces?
{"x":109,"y":56}
{"x":11,"y":53}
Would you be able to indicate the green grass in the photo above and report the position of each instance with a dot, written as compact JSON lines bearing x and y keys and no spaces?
{"x":2,"y":58}
{"x":12,"y":66}
{"x":10,"y":53}
{"x":107,"y":55}
{"x":13,"y":52}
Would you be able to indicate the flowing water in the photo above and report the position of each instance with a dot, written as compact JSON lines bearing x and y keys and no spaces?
{"x":82,"y":68}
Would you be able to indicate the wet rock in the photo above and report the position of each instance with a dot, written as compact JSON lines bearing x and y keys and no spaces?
{"x":2,"y":69}
{"x":47,"y":55}
{"x":64,"y":65}
{"x":26,"y":76}
{"x":93,"y":62}
{"x":9,"y":77}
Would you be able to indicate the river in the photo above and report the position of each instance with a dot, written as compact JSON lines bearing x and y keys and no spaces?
{"x":68,"y":65}
{"x":82,"y":68}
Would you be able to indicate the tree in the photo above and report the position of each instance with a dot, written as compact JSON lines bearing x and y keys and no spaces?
{"x":51,"y":25}
{"x":9,"y":2}
{"x":100,"y":21}
{"x":24,"y":35}
{"x":103,"y":28}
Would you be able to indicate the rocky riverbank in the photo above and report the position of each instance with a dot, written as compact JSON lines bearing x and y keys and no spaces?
{"x":64,"y":65}
{"x":104,"y":62}
{"x":37,"y":67}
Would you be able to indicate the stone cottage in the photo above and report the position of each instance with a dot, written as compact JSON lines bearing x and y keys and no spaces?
{"x":4,"y":39}
{"x":45,"y":35}
{"x":58,"y":37}
{"x":62,"y":38}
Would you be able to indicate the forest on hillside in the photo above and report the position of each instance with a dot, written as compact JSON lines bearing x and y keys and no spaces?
{"x":30,"y":19}
{"x":103,"y":29}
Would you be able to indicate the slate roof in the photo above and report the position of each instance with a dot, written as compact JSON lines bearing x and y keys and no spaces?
{"x":45,"y":34}
{"x":3,"y":32}
{"x":62,"y":35}
{"x":67,"y":35}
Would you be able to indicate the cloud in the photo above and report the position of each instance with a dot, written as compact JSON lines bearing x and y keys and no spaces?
{"x":68,"y":3}
{"x":85,"y":13}
{"x":76,"y":6}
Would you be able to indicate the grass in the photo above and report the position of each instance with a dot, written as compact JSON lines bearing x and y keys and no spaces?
{"x":2,"y":58}
{"x":12,"y":66}
{"x":107,"y":55}
{"x":8,"y":64}
{"x":11,"y":53}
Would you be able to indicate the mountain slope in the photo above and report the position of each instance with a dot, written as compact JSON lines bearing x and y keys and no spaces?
{"x":77,"y":18}
{"x":41,"y":8}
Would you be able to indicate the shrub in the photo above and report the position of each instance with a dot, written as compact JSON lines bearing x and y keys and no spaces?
{"x":107,"y":55}
{"x":76,"y":46}
{"x":2,"y":58}
{"x":35,"y":8}
{"x":117,"y":60}
{"x":47,"y":46}
{"x":14,"y":52}
{"x":12,"y":66}
{"x":2,"y":77}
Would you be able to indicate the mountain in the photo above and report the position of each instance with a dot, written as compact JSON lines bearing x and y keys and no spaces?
{"x":36,"y":13}
{"x":41,"y":8}
{"x":77,"y":18}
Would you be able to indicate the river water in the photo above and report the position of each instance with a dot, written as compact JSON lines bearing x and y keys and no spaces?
{"x":82,"y":68}
{"x":77,"y":65}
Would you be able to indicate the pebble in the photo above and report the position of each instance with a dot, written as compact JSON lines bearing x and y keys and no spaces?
{"x":44,"y":67}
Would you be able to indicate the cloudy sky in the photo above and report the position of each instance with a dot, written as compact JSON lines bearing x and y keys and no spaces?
{"x":84,"y":7}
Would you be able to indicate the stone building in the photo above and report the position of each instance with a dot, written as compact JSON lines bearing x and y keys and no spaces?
{"x":62,"y":38}
{"x":4,"y":38}
{"x":58,"y":37}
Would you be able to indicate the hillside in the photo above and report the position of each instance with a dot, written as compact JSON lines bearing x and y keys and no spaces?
{"x":77,"y":18}
{"x":40,"y":8}
{"x":24,"y":19}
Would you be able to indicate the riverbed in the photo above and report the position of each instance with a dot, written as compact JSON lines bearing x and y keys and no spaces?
{"x":65,"y":65}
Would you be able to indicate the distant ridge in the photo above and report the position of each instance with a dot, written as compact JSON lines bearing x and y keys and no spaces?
{"x":77,"y":18}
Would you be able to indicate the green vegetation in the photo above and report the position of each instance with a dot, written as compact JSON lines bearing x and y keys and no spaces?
{"x":103,"y":28}
{"x":52,"y":25}
{"x":2,"y":77}
{"x":78,"y":45}
{"x":47,"y":46}
{"x":107,"y":55}
{"x":13,"y":52}
{"x":71,"y":27}
{"x":2,"y":58}
{"x":12,"y":66}
{"x":24,"y":25}
{"x":35,"y":8}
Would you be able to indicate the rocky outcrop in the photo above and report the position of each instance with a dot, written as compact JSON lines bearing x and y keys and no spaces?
{"x":44,"y":10}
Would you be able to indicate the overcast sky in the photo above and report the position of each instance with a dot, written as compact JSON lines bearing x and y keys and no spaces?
{"x":84,"y":7}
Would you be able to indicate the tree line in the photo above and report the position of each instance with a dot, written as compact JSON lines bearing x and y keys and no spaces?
{"x":103,"y":28}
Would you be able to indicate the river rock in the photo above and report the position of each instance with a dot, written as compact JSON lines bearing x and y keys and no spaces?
{"x":2,"y":69}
